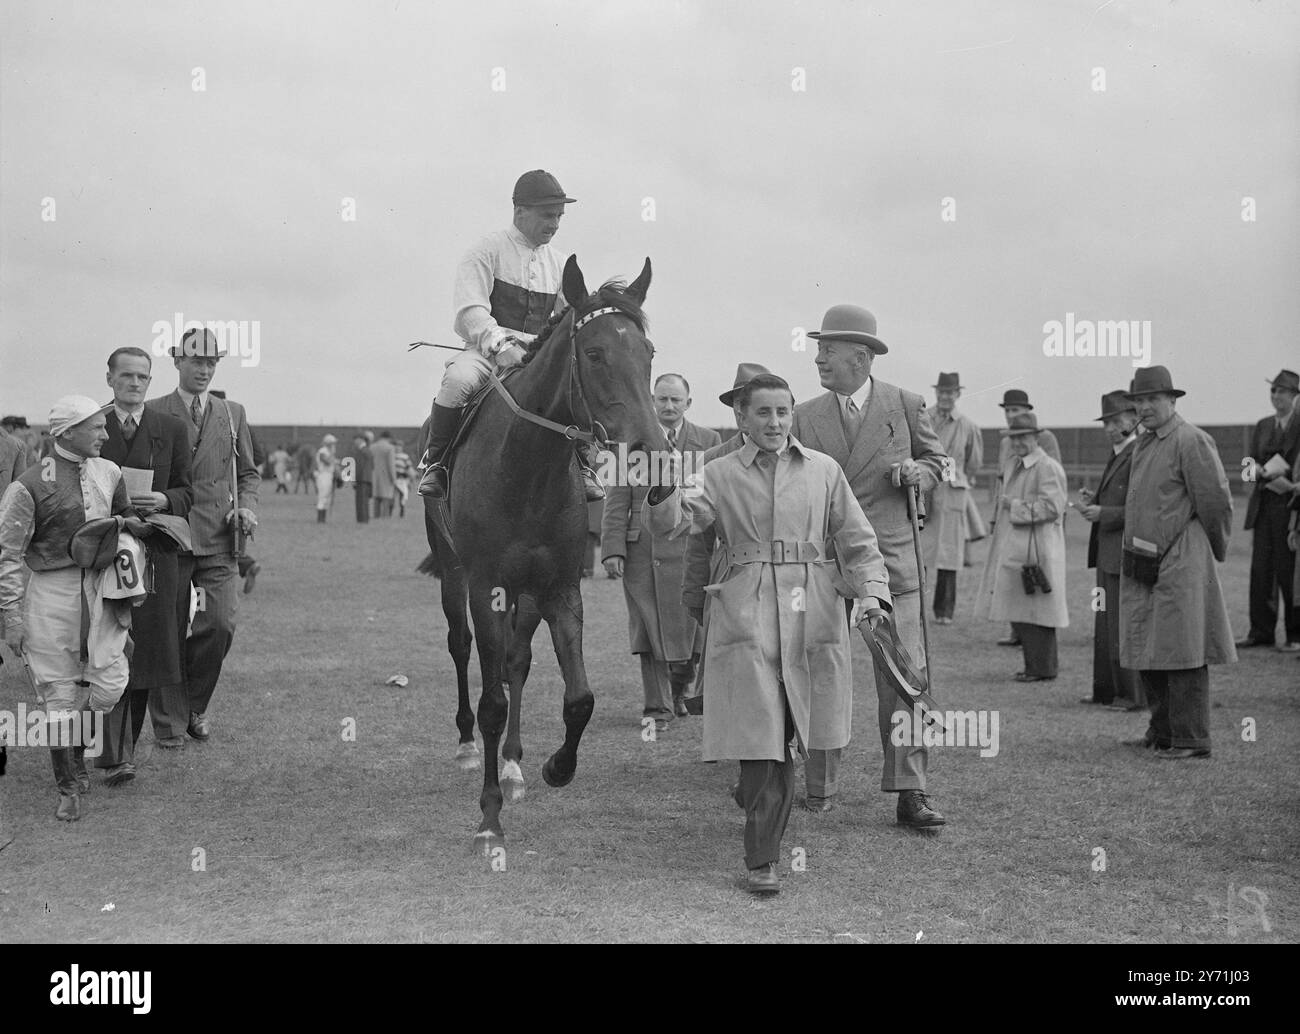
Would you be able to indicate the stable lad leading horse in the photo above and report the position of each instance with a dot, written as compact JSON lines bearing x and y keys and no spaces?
{"x":517,"y":519}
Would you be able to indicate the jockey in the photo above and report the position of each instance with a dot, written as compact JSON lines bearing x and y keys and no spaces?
{"x":507,"y":287}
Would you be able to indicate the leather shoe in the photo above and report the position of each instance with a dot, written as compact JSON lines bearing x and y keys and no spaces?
{"x":171,"y":742}
{"x":1145,"y":743}
{"x":1008,"y":642}
{"x":69,"y":809}
{"x":1250,"y":640}
{"x":914,"y":810}
{"x":1288,"y":648}
{"x":1021,"y":676}
{"x":818,"y":805}
{"x":679,"y":705}
{"x":198,"y":727}
{"x":763,"y":880}
{"x":1179,"y":753}
{"x":118,"y":775}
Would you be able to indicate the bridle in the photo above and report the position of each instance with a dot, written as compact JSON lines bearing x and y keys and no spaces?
{"x":597,"y":435}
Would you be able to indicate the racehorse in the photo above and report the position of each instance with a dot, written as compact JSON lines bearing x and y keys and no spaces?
{"x":517,"y":517}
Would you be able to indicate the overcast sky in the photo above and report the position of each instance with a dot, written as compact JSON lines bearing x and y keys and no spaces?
{"x":771,"y":203}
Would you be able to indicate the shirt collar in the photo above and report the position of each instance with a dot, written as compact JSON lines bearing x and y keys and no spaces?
{"x":122,"y":414}
{"x":188,"y":399}
{"x":1167,"y":428}
{"x":749,"y":451}
{"x":1117,"y":449}
{"x":68,"y":455}
{"x":859,"y":397}
{"x":1033,"y":457}
{"x":518,"y":237}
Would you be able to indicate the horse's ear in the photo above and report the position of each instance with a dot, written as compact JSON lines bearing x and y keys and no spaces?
{"x":637,"y":289}
{"x":575,"y":288}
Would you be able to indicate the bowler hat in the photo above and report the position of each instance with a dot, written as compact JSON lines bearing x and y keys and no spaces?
{"x":539,"y":187}
{"x":1015,"y":397}
{"x":14,"y":421}
{"x":745,"y":373}
{"x":199,"y":341}
{"x":1115,"y":402}
{"x":948,"y":380}
{"x":850,"y":323}
{"x":1288,"y":379}
{"x":1153,"y":380}
{"x":1021,"y":423}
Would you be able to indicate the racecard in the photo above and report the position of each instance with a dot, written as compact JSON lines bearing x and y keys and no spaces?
{"x":125,"y":987}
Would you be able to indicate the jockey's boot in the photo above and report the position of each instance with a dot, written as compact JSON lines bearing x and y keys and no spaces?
{"x":442,"y":428}
{"x":65,"y":776}
{"x":590,"y":479}
{"x":79,"y":766}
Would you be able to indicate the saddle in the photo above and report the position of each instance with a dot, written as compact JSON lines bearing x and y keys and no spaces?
{"x":468,"y":413}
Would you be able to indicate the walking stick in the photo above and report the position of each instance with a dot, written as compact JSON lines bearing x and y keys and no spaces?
{"x":913,"y":509}
{"x":234,"y":479}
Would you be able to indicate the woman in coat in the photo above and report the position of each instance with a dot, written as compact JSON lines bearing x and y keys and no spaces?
{"x":1028,"y":551}
{"x":778,"y":647}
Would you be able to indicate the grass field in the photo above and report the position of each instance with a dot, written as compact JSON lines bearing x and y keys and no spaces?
{"x":305,"y":837}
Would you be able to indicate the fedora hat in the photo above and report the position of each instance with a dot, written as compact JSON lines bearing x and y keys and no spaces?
{"x":1015,"y":397}
{"x":1021,"y":423}
{"x":745,"y":373}
{"x":1288,"y":379}
{"x":948,"y":380}
{"x":1153,"y":380}
{"x":850,"y":323}
{"x":1115,"y":402}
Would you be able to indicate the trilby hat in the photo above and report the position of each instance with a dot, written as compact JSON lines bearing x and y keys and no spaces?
{"x":745,"y":373}
{"x":1115,"y":402}
{"x":1153,"y":380}
{"x":1021,"y":423}
{"x":1288,"y":379}
{"x":948,"y":380}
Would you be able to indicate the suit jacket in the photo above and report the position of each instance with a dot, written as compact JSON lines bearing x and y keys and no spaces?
{"x":363,"y":472}
{"x":161,"y":444}
{"x":1106,"y":540}
{"x":895,"y":427}
{"x":1264,"y":442}
{"x":652,"y":574}
{"x":213,"y":447}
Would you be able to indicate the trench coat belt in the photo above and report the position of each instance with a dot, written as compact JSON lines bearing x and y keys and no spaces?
{"x":778,"y":551}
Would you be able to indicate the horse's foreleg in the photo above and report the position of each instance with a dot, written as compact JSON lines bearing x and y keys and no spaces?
{"x":459,"y":641}
{"x":564,"y":615}
{"x":520,"y":660}
{"x":490,"y":626}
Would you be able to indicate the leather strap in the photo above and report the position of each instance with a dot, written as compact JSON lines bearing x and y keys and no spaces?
{"x":570,"y":431}
{"x":778,"y":551}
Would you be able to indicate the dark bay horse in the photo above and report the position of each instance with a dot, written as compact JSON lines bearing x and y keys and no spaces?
{"x":518,"y":523}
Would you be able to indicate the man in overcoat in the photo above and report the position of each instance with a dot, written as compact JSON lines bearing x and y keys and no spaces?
{"x":1113,"y":685}
{"x":778,"y":644}
{"x":871,"y":429}
{"x":384,"y":454}
{"x":363,"y":474}
{"x":146,"y":439}
{"x":1179,"y":510}
{"x":950,"y":509}
{"x":1272,"y":564}
{"x":221,"y":448}
{"x":662,"y":633}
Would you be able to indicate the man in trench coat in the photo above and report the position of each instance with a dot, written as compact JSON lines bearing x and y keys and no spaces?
{"x":778,"y":645}
{"x":954,"y":519}
{"x":1178,"y":502}
{"x":662,"y":633}
{"x":870,"y":428}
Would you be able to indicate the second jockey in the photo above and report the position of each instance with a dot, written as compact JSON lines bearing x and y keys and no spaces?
{"x":507,"y":288}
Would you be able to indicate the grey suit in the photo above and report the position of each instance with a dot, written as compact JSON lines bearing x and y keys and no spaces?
{"x":212,"y":567}
{"x":895,"y":427}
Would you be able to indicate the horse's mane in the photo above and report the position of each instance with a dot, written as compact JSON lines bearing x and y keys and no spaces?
{"x":611,"y":293}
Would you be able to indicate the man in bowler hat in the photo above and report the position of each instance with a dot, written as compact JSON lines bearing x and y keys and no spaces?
{"x":951,"y":511}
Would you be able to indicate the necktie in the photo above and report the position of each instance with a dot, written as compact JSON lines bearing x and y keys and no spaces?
{"x":672,"y":438}
{"x":196,"y":412}
{"x":128,"y":428}
{"x":852,"y":419}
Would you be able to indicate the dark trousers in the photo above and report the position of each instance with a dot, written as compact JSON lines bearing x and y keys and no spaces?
{"x":1272,"y":569}
{"x":211,"y":633}
{"x":1109,"y":679}
{"x":945,"y":593}
{"x":1180,"y":706}
{"x":122,"y":727}
{"x":363,"y":502}
{"x":767,"y":794}
{"x":1039,"y":645}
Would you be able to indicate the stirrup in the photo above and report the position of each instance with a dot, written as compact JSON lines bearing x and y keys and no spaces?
{"x":591,"y":484}
{"x":433,"y":485}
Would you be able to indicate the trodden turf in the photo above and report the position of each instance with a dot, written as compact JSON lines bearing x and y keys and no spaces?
{"x":278,"y":829}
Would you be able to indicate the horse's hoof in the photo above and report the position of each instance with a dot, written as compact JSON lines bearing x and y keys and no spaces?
{"x":467,"y":757}
{"x":486,"y":843}
{"x":512,"y":782}
{"x":553,"y":776}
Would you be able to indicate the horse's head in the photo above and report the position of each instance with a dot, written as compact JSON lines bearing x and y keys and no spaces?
{"x":613,"y":358}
